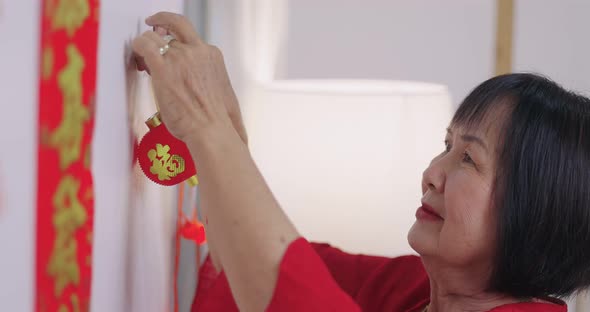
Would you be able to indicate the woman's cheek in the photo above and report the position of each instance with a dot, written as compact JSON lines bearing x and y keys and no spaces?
{"x":471,"y":209}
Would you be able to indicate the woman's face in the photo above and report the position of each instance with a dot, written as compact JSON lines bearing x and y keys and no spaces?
{"x":456,"y":223}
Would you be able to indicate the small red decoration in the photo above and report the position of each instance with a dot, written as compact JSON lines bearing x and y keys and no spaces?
{"x":193,"y":230}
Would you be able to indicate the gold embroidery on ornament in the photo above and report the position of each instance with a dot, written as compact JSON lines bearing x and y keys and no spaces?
{"x":70,"y":15}
{"x":67,"y":137}
{"x":164,"y":165}
{"x":69,"y":216}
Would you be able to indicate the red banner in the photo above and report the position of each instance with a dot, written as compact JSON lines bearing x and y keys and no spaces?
{"x":67,"y":86}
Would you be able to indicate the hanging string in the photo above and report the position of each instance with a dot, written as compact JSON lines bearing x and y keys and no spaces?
{"x":179,"y":217}
{"x":194,"y":216}
{"x":190,"y":229}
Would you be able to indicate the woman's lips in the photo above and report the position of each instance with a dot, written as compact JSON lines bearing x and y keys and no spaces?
{"x":426,"y":212}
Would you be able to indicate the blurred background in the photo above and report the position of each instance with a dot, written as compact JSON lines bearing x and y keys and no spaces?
{"x":345,"y":102}
{"x":452,"y":42}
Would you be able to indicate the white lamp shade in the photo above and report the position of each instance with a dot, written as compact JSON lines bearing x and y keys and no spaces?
{"x":345,"y":158}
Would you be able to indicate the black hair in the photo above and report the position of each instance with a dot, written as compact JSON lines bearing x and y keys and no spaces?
{"x":542,"y":184}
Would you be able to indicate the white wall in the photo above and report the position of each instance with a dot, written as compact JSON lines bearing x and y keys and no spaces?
{"x":551,"y":38}
{"x":449,"y":42}
{"x":134,"y":218}
{"x":18,"y":163}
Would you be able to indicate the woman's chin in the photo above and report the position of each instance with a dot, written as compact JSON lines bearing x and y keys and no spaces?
{"x":422,"y":239}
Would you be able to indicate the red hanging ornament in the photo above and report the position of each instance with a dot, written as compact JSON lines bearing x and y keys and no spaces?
{"x":163,"y":158}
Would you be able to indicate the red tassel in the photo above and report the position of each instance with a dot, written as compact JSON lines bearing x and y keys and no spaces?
{"x":193,"y":230}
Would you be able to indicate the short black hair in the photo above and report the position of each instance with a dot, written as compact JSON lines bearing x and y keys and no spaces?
{"x":542,"y":185}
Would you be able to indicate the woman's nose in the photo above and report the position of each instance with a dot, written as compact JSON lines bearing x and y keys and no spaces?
{"x":434,"y":177}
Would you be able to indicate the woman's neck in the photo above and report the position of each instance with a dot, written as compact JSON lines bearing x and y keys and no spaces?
{"x":464,"y":289}
{"x":441,"y":301}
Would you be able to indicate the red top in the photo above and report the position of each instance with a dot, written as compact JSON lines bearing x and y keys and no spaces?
{"x":318,"y":277}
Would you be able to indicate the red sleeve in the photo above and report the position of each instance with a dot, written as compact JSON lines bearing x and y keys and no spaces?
{"x":305,"y":283}
{"x":350,"y":271}
{"x":318,"y":277}
{"x":378,"y":283}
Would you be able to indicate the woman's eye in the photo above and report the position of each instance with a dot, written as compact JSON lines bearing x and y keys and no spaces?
{"x":467,"y":158}
{"x":447,"y":146}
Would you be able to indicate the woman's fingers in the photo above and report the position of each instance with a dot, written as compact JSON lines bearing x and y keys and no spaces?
{"x":160,"y":30}
{"x":147,"y":49}
{"x":190,"y":81}
{"x":156,"y":38}
{"x":177,"y":24}
{"x":140,"y":63}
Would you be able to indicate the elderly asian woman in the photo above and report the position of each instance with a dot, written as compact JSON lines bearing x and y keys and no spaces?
{"x":504,"y":223}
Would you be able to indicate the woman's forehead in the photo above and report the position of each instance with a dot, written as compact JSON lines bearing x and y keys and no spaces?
{"x":486,"y":123}
{"x":488,"y":130}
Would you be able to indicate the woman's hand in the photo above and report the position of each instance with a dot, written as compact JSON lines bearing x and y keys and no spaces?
{"x":190,"y":80}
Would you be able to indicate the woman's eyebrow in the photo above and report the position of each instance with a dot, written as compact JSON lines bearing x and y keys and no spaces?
{"x":471,"y":138}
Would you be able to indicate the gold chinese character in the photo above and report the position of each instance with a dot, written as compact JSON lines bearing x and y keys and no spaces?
{"x":47,"y":63}
{"x":69,"y":216}
{"x":75,"y":305}
{"x":166,"y":166}
{"x":49,"y":8}
{"x":70,"y":15}
{"x":67,"y":138}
